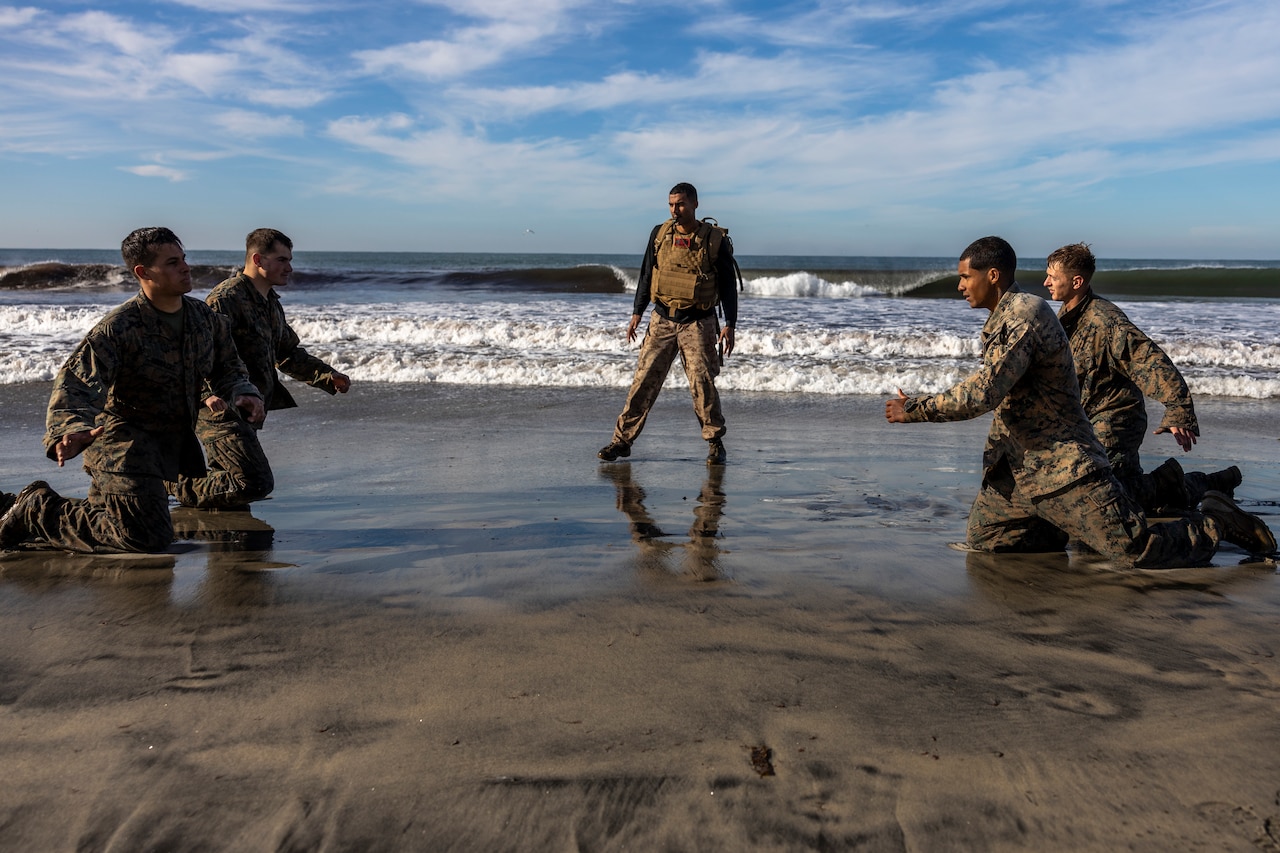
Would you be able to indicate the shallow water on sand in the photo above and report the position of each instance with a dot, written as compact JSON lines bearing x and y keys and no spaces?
{"x":453,"y":628}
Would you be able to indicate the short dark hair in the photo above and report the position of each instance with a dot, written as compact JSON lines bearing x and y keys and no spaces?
{"x":140,"y":247}
{"x":262,"y":239}
{"x":685,"y":189}
{"x":1076,"y":260}
{"x":992,"y":253}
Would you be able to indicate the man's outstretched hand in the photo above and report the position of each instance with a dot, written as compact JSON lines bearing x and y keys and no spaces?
{"x":73,"y":444}
{"x":895,"y":409}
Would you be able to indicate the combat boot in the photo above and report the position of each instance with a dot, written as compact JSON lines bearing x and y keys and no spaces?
{"x":14,"y":529}
{"x":613,"y":450}
{"x":715,"y":452}
{"x":1237,"y":526}
{"x":1169,"y":484}
{"x":1225,"y":481}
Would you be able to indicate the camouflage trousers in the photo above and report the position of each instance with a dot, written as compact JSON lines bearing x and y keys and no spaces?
{"x":1095,"y":511}
{"x":696,"y":344}
{"x":122,"y":513}
{"x":238,"y":468}
{"x":1163,"y":488}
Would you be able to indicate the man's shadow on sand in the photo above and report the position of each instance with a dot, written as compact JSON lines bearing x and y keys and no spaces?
{"x":697,"y":558}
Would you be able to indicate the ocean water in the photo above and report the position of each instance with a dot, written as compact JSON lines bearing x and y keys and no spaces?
{"x":807,"y":325}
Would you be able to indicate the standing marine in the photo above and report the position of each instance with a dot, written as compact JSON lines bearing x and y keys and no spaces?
{"x":688,"y":272}
{"x":1045,"y":476}
{"x":1116,"y":365}
{"x":238,"y":468}
{"x":128,"y":398}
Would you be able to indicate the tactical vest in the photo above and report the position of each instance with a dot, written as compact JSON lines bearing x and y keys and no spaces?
{"x":684,"y":274}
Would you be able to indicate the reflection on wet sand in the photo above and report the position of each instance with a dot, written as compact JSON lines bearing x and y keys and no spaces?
{"x":236,"y":539}
{"x":1022,"y":581}
{"x":35,"y":570}
{"x":238,"y":554}
{"x":701,"y":554}
{"x":237,"y":548}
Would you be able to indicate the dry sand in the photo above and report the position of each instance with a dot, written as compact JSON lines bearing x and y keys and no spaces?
{"x":453,"y":629}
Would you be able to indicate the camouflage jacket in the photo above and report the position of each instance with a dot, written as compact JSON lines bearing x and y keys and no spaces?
{"x":1028,"y":379}
{"x":267,"y":342}
{"x":1116,"y":364}
{"x":132,"y":376}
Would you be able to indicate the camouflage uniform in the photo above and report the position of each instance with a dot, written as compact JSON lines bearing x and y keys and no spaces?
{"x":694,"y":333}
{"x":1045,"y":477}
{"x":1116,"y":364}
{"x":142,"y":382}
{"x":239,"y":470}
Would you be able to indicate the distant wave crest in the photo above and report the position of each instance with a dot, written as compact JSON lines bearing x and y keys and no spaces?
{"x":104,"y":278}
{"x":1190,"y":282}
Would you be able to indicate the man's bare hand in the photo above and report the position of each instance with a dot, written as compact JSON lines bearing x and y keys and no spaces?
{"x":1186,"y":438}
{"x":895,"y":409}
{"x":254,"y":411}
{"x":73,"y":444}
{"x":631,"y":327}
{"x":726,"y":340}
{"x":341,"y":382}
{"x":215,"y":404}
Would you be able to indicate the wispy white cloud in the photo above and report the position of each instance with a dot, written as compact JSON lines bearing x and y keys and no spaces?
{"x":247,"y":124}
{"x":506,"y":28}
{"x":13,"y":17}
{"x":838,"y":24}
{"x":124,"y":36}
{"x":450,"y":152}
{"x":107,"y":64}
{"x":236,"y":7}
{"x":1056,"y":124}
{"x":716,"y":81}
{"x":827,"y":105}
{"x":155,"y":171}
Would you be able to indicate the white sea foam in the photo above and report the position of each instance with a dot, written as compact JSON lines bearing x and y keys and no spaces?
{"x":803,"y":345}
{"x":628,"y":281}
{"x":806,"y":285}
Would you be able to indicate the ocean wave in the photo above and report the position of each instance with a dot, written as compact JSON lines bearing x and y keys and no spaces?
{"x":807,"y":285}
{"x":599,"y":370}
{"x":390,"y":327}
{"x":50,"y":275}
{"x":1195,"y":281}
{"x":740,"y":374}
{"x":1191,"y":282}
{"x":860,"y":346}
{"x":585,"y":278}
{"x":1230,"y":355}
{"x":103,"y":278}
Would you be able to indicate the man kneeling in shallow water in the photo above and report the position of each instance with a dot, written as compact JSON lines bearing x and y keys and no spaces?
{"x":1045,"y":477}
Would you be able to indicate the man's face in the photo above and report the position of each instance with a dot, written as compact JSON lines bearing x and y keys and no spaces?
{"x":167,"y":275}
{"x":276,"y":264}
{"x":682,"y":209}
{"x":980,"y":287}
{"x":1061,"y":286}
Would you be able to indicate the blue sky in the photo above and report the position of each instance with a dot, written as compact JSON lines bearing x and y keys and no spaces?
{"x":887,"y":127}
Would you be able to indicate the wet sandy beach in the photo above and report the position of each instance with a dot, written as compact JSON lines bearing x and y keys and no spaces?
{"x":452,"y":628}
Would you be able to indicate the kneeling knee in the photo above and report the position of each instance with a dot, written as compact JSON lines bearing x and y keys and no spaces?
{"x":255,"y":486}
